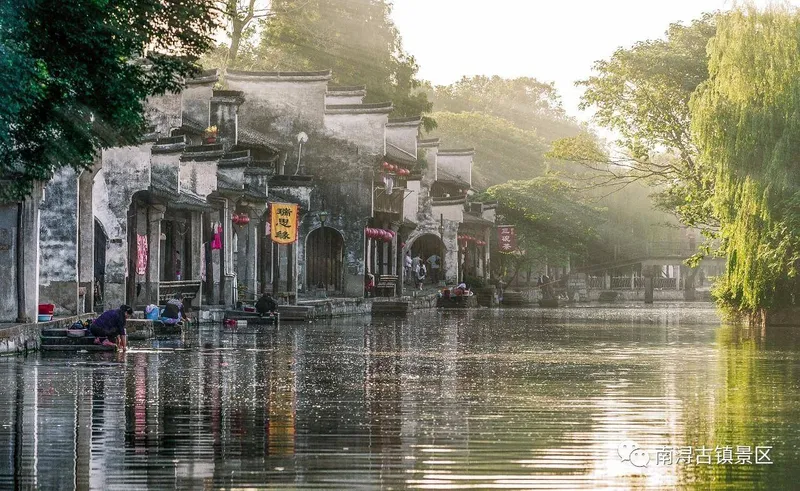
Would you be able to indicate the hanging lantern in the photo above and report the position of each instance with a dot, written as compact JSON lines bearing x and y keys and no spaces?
{"x":368,"y":232}
{"x":235,"y":218}
{"x":386,"y":165}
{"x":244,"y":219}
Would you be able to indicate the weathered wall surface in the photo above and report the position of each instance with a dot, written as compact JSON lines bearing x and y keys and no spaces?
{"x":402,"y":137}
{"x":280,"y":104}
{"x":164,"y":112}
{"x":125,"y":171}
{"x":8,"y":262}
{"x":411,"y":202}
{"x":457,"y":163}
{"x":198,"y":177}
{"x":453,"y":213}
{"x":342,"y":96}
{"x":366,"y":130}
{"x":58,"y":243}
{"x":196,"y":99}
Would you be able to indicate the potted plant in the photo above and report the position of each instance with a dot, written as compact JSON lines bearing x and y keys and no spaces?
{"x":211,"y":135}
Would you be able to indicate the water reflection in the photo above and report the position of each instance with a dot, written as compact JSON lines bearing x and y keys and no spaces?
{"x":484,"y":399}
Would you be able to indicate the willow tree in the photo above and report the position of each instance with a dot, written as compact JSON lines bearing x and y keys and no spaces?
{"x":746,"y":122}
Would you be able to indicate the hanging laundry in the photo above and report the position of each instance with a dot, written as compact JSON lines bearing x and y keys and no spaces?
{"x":141,"y":254}
{"x":216,"y":243}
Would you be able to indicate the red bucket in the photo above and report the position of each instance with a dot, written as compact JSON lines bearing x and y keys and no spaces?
{"x":46,"y":308}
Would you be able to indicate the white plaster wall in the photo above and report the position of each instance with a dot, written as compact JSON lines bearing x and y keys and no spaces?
{"x":164,"y":112}
{"x":453,"y":213}
{"x":58,"y":240}
{"x":282,"y":107}
{"x":8,"y":260}
{"x":365,"y":130}
{"x":196,"y":102}
{"x":125,"y":171}
{"x":334,"y":98}
{"x":301,"y":194}
{"x":411,"y":203}
{"x":403,"y":137}
{"x":233,"y":173}
{"x":430,"y":154}
{"x":489,"y":214}
{"x":167,"y":164}
{"x":199,"y":177}
{"x":457,"y":165}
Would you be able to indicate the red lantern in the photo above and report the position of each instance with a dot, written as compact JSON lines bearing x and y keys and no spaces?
{"x":368,"y":232}
{"x":235,"y":218}
{"x":386,"y":165}
{"x":244,"y":219}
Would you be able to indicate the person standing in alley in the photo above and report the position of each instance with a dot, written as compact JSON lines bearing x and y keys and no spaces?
{"x":434,"y":262}
{"x":407,"y":267}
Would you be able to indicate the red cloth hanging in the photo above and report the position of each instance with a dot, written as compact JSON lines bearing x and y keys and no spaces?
{"x":216,"y":243}
{"x":141,"y":254}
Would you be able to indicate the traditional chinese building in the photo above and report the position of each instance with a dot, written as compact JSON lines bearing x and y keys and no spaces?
{"x":281,"y":182}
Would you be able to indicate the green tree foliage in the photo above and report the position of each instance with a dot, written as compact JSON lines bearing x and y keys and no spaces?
{"x":524,"y":101}
{"x":745,"y":120}
{"x":241,"y":17}
{"x":642,"y":93}
{"x":503,"y":151}
{"x":552,"y":221}
{"x":75,"y":75}
{"x":356,"y":39}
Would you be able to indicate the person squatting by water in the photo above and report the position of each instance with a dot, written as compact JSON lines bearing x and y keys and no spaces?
{"x":266,"y":304}
{"x":109,"y":328}
{"x":173,"y":311}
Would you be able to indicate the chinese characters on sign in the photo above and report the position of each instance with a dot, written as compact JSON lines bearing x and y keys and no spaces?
{"x":712,"y":455}
{"x":506,"y":238}
{"x":284,"y":223}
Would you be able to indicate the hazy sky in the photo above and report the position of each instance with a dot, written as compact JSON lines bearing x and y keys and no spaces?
{"x":551,"y":40}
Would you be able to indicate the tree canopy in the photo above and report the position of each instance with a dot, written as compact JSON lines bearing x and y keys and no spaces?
{"x":526,"y":102}
{"x":745,"y":120}
{"x":642,"y":93}
{"x":75,"y":76}
{"x":356,"y":39}
{"x":503,"y":151}
{"x":552,"y":221}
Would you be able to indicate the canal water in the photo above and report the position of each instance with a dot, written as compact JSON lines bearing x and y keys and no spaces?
{"x":576,"y":398}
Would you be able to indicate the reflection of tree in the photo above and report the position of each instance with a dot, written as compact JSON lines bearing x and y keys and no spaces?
{"x":750,"y":405}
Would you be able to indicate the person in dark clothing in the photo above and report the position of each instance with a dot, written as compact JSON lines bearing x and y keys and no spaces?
{"x":266,"y":304}
{"x":111,"y":326}
{"x":173,"y":311}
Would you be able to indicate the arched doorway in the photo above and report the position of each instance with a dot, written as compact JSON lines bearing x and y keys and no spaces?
{"x":427,"y":246}
{"x":324,"y":259}
{"x":100,"y":241}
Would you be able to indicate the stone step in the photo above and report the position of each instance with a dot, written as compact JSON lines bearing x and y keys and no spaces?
{"x":72,"y":347}
{"x":56,"y":340}
{"x":391,"y":307}
{"x":295,"y":312}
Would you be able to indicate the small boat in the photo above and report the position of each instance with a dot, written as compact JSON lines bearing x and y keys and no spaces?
{"x":548,"y":302}
{"x":457,"y":302}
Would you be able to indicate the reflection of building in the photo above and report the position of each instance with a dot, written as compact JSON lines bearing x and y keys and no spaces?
{"x":186,"y":210}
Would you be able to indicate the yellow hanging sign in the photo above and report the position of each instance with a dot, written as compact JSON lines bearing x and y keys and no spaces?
{"x":284,"y":223}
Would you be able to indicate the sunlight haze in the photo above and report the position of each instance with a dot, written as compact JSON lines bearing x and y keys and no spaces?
{"x":551,"y":41}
